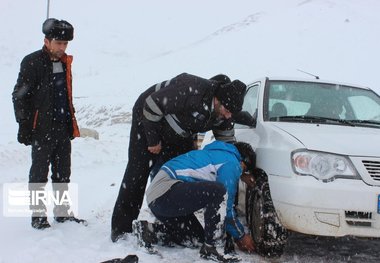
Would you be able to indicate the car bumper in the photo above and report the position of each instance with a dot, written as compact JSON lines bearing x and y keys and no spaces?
{"x":338,"y":208}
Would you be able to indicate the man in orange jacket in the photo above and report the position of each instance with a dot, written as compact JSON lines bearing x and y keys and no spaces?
{"x":42,"y":100}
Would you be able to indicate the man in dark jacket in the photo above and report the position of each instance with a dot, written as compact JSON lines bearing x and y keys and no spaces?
{"x":44,"y":110}
{"x":165,"y":119}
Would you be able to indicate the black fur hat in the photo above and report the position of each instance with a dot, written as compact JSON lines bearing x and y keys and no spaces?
{"x":231,"y":95}
{"x":58,"y":29}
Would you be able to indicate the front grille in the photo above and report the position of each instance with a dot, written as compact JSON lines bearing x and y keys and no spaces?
{"x":373,"y":169}
{"x":355,"y":218}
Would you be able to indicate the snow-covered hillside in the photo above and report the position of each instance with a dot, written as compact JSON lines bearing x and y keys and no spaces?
{"x":122,"y":47}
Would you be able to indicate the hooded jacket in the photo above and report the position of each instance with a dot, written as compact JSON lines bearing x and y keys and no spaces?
{"x":218,"y":161}
{"x":33,"y":95}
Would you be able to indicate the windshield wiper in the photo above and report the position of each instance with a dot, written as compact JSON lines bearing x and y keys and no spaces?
{"x":376,"y":123}
{"x":313,"y":119}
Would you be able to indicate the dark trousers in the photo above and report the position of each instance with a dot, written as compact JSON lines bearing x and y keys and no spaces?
{"x":175,"y":209}
{"x":54,"y":151}
{"x":140,"y":163}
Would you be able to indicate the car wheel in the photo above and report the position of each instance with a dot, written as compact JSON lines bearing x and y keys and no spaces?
{"x":266,"y":229}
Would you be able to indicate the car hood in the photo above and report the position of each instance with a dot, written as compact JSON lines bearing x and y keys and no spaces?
{"x":347,"y":140}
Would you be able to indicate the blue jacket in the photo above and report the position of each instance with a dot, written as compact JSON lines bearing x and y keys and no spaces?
{"x":219,"y":162}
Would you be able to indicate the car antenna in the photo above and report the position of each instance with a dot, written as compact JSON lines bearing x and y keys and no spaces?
{"x":47,"y":9}
{"x":315,"y":76}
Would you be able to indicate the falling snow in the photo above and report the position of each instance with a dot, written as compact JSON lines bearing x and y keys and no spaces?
{"x":123,"y":47}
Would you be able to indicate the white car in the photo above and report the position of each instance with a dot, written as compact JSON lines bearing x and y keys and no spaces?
{"x":318,"y":153}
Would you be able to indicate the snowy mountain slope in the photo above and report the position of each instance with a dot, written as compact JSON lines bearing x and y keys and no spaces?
{"x":121,"y":48}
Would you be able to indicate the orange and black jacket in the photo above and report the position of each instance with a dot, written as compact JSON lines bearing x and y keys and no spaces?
{"x":33,"y":95}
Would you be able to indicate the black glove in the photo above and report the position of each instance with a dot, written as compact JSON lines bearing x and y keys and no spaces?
{"x":245,"y":118}
{"x":24,"y":134}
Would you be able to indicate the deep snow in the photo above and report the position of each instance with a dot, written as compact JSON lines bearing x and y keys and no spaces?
{"x":122,"y":47}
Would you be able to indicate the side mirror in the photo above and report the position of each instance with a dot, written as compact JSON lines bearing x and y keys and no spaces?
{"x":245,"y":118}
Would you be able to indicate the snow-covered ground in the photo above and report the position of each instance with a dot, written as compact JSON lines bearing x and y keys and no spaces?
{"x":122,"y":47}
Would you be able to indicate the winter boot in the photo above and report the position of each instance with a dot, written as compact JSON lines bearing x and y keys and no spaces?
{"x":63,"y":219}
{"x":229,"y":246}
{"x":210,"y":253}
{"x":145,"y":234}
{"x":39,"y":222}
{"x":70,"y":218}
{"x":116,"y":235}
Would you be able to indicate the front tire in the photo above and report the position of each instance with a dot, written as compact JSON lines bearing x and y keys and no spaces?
{"x":266,"y":229}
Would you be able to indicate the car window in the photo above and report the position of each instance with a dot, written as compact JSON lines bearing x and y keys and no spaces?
{"x":250,"y":100}
{"x":312,"y":100}
{"x":250,"y":103}
{"x":365,"y":108}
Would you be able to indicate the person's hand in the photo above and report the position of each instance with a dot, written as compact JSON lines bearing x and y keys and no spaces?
{"x":24,"y":134}
{"x":195,"y":145}
{"x":246,"y":244}
{"x":156,"y":149}
{"x":249,"y":179}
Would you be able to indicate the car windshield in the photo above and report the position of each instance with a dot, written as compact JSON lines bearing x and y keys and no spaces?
{"x":313,"y":102}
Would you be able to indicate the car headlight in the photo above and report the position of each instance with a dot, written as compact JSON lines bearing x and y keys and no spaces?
{"x":323,"y":166}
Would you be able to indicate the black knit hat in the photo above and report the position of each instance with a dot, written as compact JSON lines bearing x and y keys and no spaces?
{"x":231,"y":95}
{"x":58,"y":29}
{"x":221,"y":78}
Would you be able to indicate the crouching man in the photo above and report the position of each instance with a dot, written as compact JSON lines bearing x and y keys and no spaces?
{"x":201,"y":179}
